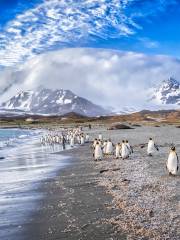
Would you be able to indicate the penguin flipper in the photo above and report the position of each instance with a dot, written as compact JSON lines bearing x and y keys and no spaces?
{"x":156,"y":147}
{"x":132,"y":149}
{"x":166,"y":166}
{"x":177,"y":158}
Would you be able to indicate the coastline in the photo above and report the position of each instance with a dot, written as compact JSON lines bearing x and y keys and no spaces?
{"x":139,"y":201}
{"x":74,"y":205}
{"x":23,"y":169}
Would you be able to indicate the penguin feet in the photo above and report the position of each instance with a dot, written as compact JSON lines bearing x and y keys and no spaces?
{"x":171,"y":174}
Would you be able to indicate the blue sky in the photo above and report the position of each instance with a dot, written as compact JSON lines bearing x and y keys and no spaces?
{"x":9,"y":9}
{"x":103,"y":50}
{"x":31,"y":27}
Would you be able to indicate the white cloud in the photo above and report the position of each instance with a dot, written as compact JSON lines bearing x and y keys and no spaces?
{"x":109,"y":78}
{"x":54,"y":23}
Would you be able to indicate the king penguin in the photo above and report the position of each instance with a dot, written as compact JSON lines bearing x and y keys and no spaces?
{"x":172,"y":162}
{"x":118,"y":150}
{"x":104,"y":146}
{"x":72,"y":141}
{"x":130,"y":148}
{"x":109,"y":147}
{"x":124,"y":150}
{"x":98,"y":152}
{"x":151,"y":147}
{"x":82,"y":139}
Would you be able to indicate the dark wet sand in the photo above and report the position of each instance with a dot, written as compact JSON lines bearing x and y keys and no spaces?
{"x":74,"y":206}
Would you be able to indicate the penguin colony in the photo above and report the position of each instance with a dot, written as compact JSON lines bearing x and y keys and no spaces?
{"x":71,"y":137}
{"x":102,"y":148}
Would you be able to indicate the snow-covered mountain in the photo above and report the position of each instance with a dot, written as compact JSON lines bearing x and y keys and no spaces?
{"x":48,"y":101}
{"x":59,"y":102}
{"x":167,"y":93}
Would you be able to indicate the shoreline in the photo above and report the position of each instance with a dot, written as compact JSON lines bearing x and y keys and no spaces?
{"x":74,"y":205}
{"x":139,"y":201}
{"x":23,"y":170}
{"x":146,"y":196}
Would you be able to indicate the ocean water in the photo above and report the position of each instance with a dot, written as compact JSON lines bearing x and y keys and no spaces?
{"x":24,"y":164}
{"x":11,"y":137}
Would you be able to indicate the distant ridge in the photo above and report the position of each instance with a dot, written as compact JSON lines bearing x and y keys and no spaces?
{"x":144,"y":116}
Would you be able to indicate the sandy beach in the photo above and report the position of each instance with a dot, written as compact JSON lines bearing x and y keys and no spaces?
{"x":133,"y":199}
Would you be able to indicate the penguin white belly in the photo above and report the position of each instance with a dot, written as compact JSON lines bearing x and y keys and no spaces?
{"x":109,"y":148}
{"x":151,"y":148}
{"x":117,"y":152}
{"x":78,"y":139}
{"x":94,"y":144}
{"x":104,"y":148}
{"x":172,"y":163}
{"x":82,"y":141}
{"x":72,"y":142}
{"x":98,"y":153}
{"x":124,"y":151}
{"x":87,"y":138}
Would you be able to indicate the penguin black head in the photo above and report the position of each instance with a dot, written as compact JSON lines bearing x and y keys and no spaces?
{"x":123,"y":141}
{"x":126,"y":141}
{"x":173,"y":148}
{"x":150,"y":138}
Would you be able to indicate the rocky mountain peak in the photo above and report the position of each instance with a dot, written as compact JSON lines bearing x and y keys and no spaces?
{"x":49,"y":101}
{"x":168,"y":92}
